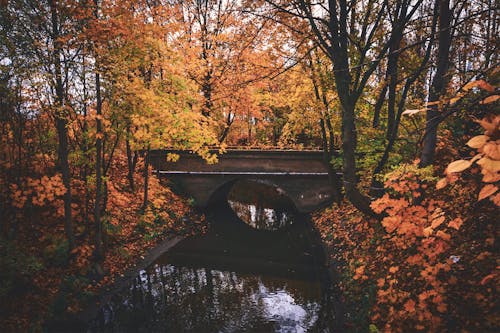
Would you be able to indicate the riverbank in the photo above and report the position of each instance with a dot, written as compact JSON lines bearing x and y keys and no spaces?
{"x":392,"y":280}
{"x":77,"y":322}
{"x":47,"y":286}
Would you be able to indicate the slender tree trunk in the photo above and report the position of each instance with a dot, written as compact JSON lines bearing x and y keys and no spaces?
{"x":328,"y":140}
{"x":206,"y":88}
{"x":392,"y":71}
{"x":61,"y":127}
{"x":439,"y":83}
{"x":146,"y":179}
{"x":225,"y":132}
{"x":99,"y":248}
{"x":378,"y":106}
{"x":130,"y":162}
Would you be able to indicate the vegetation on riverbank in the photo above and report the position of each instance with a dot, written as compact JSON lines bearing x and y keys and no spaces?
{"x":431,"y":263}
{"x":43,"y":280}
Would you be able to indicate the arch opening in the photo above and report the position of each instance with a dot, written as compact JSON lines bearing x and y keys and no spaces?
{"x":260,"y":204}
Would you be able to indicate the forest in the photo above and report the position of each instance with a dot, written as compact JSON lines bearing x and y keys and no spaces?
{"x":401,"y":96}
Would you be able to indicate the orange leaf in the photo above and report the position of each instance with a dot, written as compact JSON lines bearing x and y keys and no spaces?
{"x":428,"y":231}
{"x":489,"y":125}
{"x":490,"y":177}
{"x":393,"y":269}
{"x":492,"y":149}
{"x":496,"y":199}
{"x":488,"y":278}
{"x":410,"y":305}
{"x":456,"y":223}
{"x":437,"y":222}
{"x":458,"y":166}
{"x":480,"y":84}
{"x":490,"y":99}
{"x":486,"y":191}
{"x":489,"y":164}
{"x":442,"y":307}
{"x":443,"y":235}
{"x":441,"y":183}
{"x":391,"y":223}
{"x":478,"y":141}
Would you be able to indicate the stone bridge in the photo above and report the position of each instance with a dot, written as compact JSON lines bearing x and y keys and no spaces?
{"x":301,"y":175}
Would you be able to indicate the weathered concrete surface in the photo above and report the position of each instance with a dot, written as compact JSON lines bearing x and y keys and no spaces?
{"x":302,"y":175}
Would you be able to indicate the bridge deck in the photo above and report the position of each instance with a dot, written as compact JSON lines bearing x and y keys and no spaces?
{"x":302,"y":175}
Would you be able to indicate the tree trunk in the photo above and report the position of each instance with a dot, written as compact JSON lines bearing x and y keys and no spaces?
{"x":61,"y":127}
{"x":146,"y":179}
{"x":439,"y":83}
{"x":378,"y":106}
{"x":360,"y":201}
{"x":99,"y":249}
{"x":130,"y":162}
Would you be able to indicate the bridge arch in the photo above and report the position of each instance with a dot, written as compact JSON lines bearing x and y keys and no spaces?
{"x":302,"y":175}
{"x":222,"y":190}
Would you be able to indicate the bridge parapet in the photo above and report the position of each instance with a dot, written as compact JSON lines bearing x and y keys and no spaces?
{"x":244,"y":160}
{"x":302,"y":175}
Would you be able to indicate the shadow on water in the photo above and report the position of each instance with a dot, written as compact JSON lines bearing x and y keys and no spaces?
{"x":260,"y":268}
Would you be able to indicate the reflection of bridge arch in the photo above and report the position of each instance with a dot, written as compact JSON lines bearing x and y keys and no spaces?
{"x":302,"y":175}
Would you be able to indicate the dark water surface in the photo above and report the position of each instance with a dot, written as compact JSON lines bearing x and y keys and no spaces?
{"x":260,"y":268}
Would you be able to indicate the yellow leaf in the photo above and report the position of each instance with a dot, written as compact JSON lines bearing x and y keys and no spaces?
{"x":486,"y":191}
{"x":490,"y":99}
{"x":172,"y":157}
{"x":413,"y":111}
{"x":478,"y":141}
{"x":458,"y":166}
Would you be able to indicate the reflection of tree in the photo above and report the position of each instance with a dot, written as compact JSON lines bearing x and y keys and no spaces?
{"x":174,"y":299}
{"x":260,"y":217}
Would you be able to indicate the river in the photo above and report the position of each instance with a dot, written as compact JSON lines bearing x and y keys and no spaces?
{"x":259,"y":268}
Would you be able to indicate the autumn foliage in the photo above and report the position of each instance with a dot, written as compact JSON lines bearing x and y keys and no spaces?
{"x":402,"y":96}
{"x":429,"y":264}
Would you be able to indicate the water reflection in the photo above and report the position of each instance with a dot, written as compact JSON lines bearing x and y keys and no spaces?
{"x":261,"y":206}
{"x":233,"y":278}
{"x":182,"y":299}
